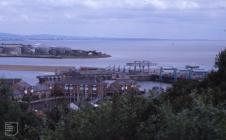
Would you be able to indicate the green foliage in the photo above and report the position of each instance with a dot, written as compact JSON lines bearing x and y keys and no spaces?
{"x":10,"y":111}
{"x":179,"y":95}
{"x":220,"y":61}
{"x":4,"y":90}
{"x":202,"y":122}
{"x":131,"y":117}
{"x":218,"y":78}
{"x":123,"y":118}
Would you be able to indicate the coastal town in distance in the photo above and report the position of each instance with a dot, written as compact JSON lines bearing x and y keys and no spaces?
{"x":112,"y":70}
{"x":23,"y":50}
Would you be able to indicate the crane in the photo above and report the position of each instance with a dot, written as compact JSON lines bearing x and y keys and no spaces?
{"x":162,"y":69}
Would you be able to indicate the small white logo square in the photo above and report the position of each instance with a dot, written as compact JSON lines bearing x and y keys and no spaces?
{"x":11,"y":128}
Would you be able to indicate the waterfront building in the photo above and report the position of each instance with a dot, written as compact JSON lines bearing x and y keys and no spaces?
{"x":12,"y":49}
{"x":1,"y":49}
{"x":86,"y":89}
{"x":42,"y":50}
{"x":18,"y":87}
{"x":73,"y":82}
{"x":78,"y":53}
{"x":45,"y":79}
{"x":86,"y":84}
{"x":41,"y":92}
{"x":52,"y":51}
{"x":27,"y":50}
{"x":83,"y":73}
{"x":123,"y":86}
{"x":89,"y":83}
{"x":60,"y":51}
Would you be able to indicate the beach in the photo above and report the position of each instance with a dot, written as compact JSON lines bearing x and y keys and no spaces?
{"x":35,"y":68}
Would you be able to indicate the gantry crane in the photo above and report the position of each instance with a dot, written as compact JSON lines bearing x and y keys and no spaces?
{"x":140,"y":65}
{"x":162,"y":69}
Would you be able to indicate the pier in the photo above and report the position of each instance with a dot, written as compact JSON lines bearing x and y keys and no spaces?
{"x":149,"y":71}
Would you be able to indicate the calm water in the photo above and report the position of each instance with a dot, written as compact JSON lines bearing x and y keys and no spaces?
{"x":173,"y":53}
{"x":167,"y":53}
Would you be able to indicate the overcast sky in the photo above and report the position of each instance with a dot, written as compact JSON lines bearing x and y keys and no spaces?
{"x":189,"y":19}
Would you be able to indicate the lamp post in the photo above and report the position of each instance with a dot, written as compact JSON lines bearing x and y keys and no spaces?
{"x":85,"y":93}
{"x":66,"y":87}
{"x":81,"y":90}
{"x":50,"y":88}
{"x":133,"y":86}
{"x":71,"y":92}
{"x":124,"y":88}
{"x":73,"y":89}
{"x":28,"y":92}
{"x":94,"y":90}
{"x":31,"y":91}
{"x":25,"y":92}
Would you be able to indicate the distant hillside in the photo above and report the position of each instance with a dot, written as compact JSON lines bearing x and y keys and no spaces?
{"x":17,"y":37}
{"x":12,"y":37}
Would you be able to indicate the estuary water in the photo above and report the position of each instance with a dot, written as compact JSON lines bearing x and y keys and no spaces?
{"x":177,"y":53}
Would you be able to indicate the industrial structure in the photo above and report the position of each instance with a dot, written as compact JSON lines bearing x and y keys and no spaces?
{"x":149,"y":71}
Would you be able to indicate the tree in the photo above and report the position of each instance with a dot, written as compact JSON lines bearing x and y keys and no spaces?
{"x":220,"y":61}
{"x":201,"y":122}
{"x":11,"y":111}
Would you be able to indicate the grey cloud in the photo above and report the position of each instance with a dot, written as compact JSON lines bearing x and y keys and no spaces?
{"x":136,"y":18}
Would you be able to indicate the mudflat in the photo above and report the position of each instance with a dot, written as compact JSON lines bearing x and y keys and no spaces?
{"x":35,"y":68}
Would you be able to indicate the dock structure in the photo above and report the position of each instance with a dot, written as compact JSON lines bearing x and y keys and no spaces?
{"x":191,"y":69}
{"x":140,"y":66}
{"x":174,"y":70}
{"x":148,"y":71}
{"x":138,"y":70}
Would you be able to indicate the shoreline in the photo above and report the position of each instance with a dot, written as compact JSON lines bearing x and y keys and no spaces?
{"x":56,"y":57}
{"x":35,"y":68}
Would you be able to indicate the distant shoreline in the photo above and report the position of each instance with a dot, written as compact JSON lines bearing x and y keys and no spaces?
{"x":50,"y":37}
{"x":56,"y":57}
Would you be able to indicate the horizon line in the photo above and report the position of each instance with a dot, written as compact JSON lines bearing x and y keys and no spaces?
{"x":104,"y":37}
